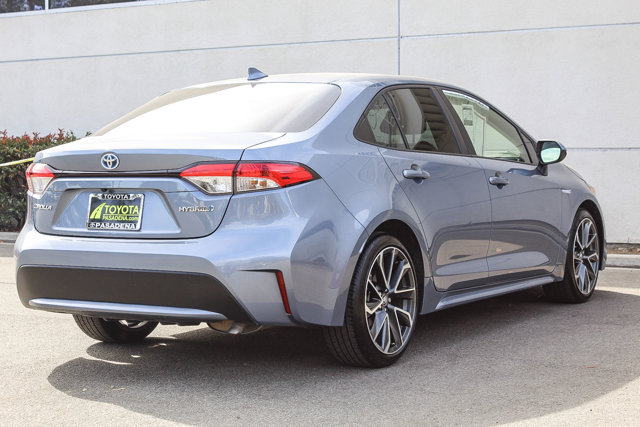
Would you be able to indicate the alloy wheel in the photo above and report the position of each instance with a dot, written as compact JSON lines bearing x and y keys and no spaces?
{"x":390,"y":300}
{"x":586,"y":256}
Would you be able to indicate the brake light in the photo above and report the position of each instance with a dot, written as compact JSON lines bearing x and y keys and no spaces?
{"x":218,"y":178}
{"x":38,"y":178}
{"x":263,"y":176}
{"x":211,"y":178}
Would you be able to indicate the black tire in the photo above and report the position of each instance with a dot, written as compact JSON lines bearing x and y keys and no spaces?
{"x":114,"y":330}
{"x":353,"y":343}
{"x":571,"y":289}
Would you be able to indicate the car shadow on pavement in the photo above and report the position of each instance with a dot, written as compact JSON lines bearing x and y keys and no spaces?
{"x":494,"y":361}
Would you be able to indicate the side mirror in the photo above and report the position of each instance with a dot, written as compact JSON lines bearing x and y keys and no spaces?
{"x":549,"y":152}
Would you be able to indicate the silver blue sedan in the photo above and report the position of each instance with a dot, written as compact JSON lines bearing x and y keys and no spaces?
{"x":348,"y":202}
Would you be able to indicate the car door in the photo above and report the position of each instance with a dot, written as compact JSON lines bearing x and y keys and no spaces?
{"x":525,"y":204}
{"x":448,"y":191}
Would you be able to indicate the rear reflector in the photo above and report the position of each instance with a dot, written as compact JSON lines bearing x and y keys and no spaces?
{"x":218,"y":178}
{"x":38,"y":178}
{"x":283,"y":292}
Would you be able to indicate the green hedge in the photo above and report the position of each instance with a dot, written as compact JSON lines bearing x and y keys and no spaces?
{"x":13,"y":185}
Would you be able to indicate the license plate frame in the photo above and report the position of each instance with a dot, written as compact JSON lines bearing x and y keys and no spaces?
{"x":115,"y":211}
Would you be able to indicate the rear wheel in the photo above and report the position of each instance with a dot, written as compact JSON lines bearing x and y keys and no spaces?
{"x":114,"y":330}
{"x":582,"y":265}
{"x":381,"y":307}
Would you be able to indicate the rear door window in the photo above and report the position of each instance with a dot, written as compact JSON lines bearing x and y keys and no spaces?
{"x":422,"y":121}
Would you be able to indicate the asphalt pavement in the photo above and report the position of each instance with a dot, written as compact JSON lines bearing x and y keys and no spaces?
{"x":511,"y":360}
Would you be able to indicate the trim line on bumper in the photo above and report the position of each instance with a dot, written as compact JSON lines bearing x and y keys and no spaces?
{"x":123,"y":311}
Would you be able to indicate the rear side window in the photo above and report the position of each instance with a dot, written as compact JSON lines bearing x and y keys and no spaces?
{"x":491,"y":134}
{"x":422,"y":121}
{"x":377,"y":126}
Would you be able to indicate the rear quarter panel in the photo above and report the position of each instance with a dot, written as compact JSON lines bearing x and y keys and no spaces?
{"x":354,"y":171}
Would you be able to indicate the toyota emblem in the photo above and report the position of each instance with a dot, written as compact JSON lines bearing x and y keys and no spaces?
{"x":109,"y":161}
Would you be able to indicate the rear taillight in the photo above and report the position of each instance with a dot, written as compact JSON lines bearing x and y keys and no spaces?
{"x":38,"y":178}
{"x":218,"y":178}
{"x":263,"y":176}
{"x":211,"y":178}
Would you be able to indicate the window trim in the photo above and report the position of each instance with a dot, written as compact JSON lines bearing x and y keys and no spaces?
{"x":445,"y":111}
{"x":465,"y":135}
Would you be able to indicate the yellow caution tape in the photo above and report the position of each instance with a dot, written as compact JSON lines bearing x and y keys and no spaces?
{"x":17,"y":162}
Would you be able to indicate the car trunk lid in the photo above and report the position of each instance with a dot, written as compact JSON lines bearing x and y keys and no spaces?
{"x":143,"y":196}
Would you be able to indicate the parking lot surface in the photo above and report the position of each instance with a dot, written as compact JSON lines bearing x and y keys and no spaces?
{"x":515,"y":359}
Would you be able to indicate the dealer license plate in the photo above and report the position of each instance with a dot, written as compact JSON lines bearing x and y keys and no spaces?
{"x":115,"y":211}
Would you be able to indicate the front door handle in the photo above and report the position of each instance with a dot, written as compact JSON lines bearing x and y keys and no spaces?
{"x":415,"y":173}
{"x":498,"y":180}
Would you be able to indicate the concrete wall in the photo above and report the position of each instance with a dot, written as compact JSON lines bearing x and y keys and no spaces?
{"x":563,"y":70}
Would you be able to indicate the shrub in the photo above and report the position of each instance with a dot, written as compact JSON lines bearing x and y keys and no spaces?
{"x":13,"y":185}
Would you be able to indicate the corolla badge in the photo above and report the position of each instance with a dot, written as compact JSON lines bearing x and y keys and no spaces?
{"x":109,"y":161}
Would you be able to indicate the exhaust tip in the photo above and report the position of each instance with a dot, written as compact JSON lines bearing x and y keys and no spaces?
{"x":232,"y":327}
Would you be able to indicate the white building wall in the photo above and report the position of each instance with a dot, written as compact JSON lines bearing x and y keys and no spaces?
{"x":563,"y":70}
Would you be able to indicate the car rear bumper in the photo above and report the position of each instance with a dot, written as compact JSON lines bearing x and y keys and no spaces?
{"x":128,"y":294}
{"x":302,"y":232}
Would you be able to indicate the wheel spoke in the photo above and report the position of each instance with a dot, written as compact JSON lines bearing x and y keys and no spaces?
{"x":589,"y":265}
{"x":585,"y":234}
{"x":378,"y":324}
{"x":587,"y":281}
{"x":581,"y":276}
{"x":385,"y":335}
{"x":373,"y":306}
{"x":396,"y":278}
{"x":380,"y":264}
{"x":403,"y":316}
{"x":373,"y":298}
{"x":389,"y":273}
{"x":371,"y":287}
{"x":577,"y":240}
{"x":396,"y":330}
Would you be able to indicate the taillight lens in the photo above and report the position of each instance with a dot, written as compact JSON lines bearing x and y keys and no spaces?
{"x":212,"y":178}
{"x":218,"y":178}
{"x":263,"y":176}
{"x":38,"y":178}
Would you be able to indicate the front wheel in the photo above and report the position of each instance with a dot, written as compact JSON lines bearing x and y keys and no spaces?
{"x":381,"y":308}
{"x":114,"y":330}
{"x":582,"y":265}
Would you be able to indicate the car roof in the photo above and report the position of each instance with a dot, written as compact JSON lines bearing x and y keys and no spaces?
{"x":341,"y":79}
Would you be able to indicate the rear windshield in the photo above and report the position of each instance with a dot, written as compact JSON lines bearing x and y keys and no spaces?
{"x":246,"y":107}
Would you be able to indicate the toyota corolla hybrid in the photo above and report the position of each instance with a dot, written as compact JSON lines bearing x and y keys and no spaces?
{"x":349,"y":202}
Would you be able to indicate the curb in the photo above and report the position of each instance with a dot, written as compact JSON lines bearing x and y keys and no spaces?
{"x":8,"y":237}
{"x":627,"y":261}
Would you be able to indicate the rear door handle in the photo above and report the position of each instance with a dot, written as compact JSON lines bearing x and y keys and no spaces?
{"x":415,"y":173}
